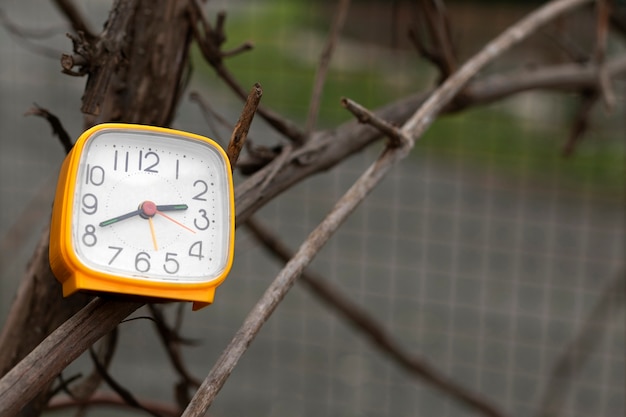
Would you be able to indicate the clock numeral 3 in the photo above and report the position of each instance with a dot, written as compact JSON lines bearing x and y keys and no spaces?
{"x":203,"y":223}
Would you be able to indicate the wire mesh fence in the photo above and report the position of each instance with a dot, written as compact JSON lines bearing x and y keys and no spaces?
{"x":490,"y":258}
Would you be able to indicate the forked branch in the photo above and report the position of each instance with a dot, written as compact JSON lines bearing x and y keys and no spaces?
{"x":414,"y":128}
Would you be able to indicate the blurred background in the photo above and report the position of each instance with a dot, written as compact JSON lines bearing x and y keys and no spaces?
{"x":485,"y":253}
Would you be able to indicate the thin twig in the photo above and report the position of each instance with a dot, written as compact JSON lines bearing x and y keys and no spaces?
{"x":75,"y":17}
{"x":57,"y":127}
{"x":577,"y":352}
{"x":104,"y":355}
{"x":380,"y":338}
{"x":171,"y":342}
{"x":105,"y":399}
{"x":24,"y":36}
{"x":599,"y":55}
{"x":581,"y":121}
{"x":323,"y":64}
{"x":441,"y":52}
{"x":415,"y":127}
{"x":240,"y":132}
{"x":209,"y":41}
{"x":365,"y":116}
{"x":124,"y":394}
{"x":209,"y":113}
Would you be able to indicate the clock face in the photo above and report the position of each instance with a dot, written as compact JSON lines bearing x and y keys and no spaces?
{"x":152,"y":205}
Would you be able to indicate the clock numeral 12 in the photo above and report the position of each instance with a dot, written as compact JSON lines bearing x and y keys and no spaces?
{"x":151,"y":158}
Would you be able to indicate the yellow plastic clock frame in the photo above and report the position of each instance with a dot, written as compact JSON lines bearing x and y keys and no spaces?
{"x":75,"y":276}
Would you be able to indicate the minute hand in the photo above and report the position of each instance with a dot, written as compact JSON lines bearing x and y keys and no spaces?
{"x":122,"y":217}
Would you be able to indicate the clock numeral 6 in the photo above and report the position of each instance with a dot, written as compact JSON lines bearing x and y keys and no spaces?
{"x":142,"y":262}
{"x":89,"y":237}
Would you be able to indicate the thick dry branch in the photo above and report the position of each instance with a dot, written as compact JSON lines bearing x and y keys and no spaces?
{"x":374,"y":331}
{"x":105,"y":55}
{"x":66,"y":343}
{"x":415,"y":127}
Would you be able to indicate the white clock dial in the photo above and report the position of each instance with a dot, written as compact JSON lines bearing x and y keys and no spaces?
{"x":152,"y":205}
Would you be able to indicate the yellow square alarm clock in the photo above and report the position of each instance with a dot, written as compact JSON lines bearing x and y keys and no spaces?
{"x":143,"y":210}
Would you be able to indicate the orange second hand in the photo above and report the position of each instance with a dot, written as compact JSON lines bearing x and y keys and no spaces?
{"x":176,"y":221}
{"x":154,"y":241}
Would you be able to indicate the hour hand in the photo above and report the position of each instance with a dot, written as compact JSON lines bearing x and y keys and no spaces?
{"x":172,"y":207}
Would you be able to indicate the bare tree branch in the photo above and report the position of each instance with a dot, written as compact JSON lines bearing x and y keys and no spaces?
{"x":66,"y":343}
{"x":24,"y":36}
{"x":375,"y":332}
{"x":171,"y":341}
{"x":124,"y":394}
{"x":577,"y":352}
{"x":325,"y":149}
{"x":323,"y":64}
{"x":240,"y":132}
{"x":57,"y":127}
{"x":109,"y":400}
{"x":441,"y":52}
{"x":208,"y":112}
{"x":414,"y":128}
{"x":75,"y":17}
{"x":210,"y":42}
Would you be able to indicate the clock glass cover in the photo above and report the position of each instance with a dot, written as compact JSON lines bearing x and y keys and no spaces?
{"x":148,"y":204}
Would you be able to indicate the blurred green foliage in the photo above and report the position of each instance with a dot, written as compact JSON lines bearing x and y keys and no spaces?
{"x":288,"y":37}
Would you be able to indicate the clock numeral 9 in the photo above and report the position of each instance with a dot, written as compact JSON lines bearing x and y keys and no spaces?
{"x":90,"y":204}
